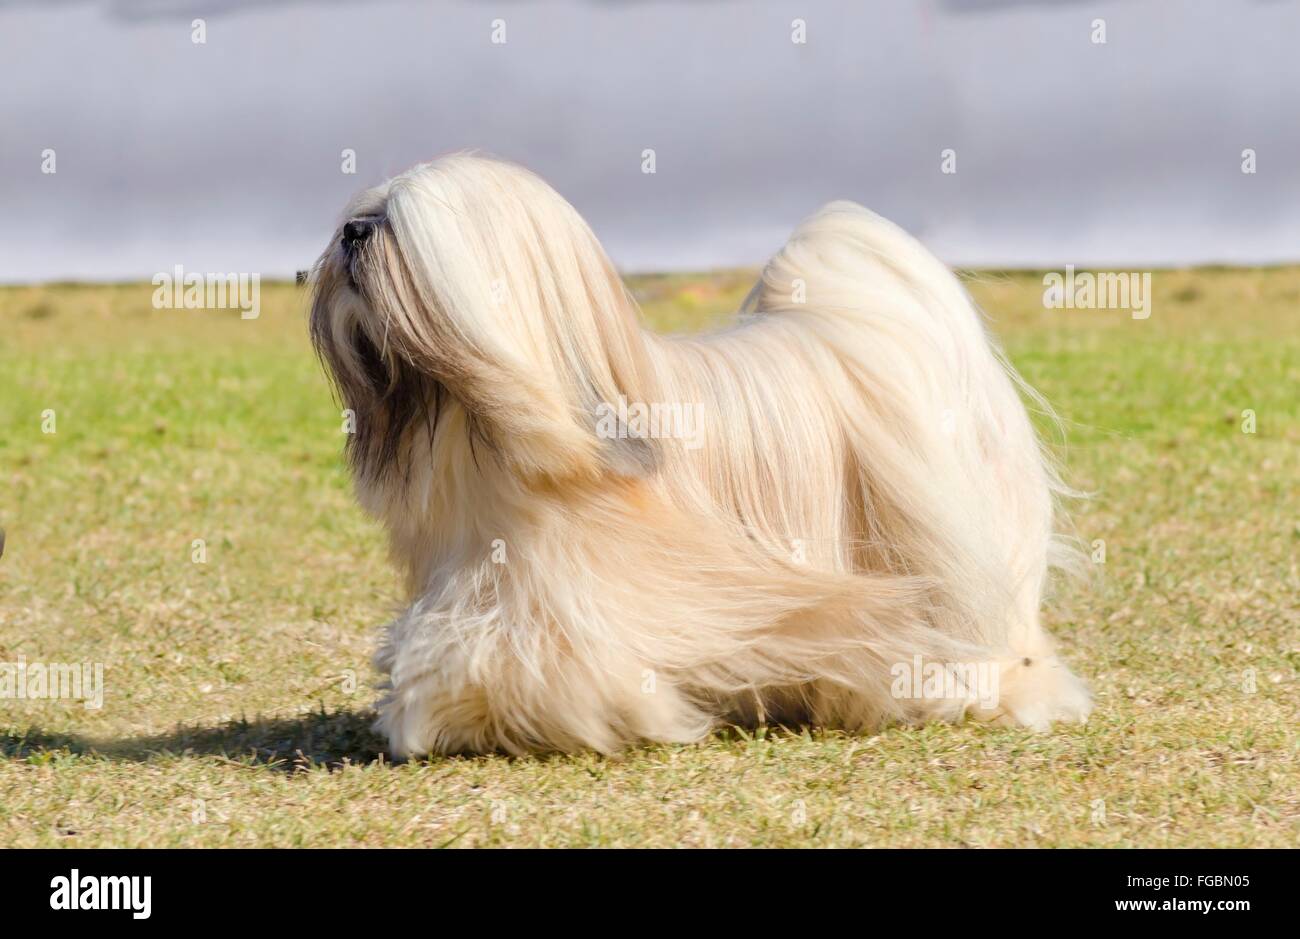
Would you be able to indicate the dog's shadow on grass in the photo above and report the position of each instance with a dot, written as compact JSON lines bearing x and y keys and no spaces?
{"x":319,"y":739}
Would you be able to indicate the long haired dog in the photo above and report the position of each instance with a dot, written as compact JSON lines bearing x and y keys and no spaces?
{"x":862,"y":501}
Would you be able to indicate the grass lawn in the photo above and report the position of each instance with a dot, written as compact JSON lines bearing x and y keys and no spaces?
{"x":237,"y":690}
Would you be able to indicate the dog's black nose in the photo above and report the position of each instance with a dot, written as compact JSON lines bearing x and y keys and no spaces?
{"x":357,"y":231}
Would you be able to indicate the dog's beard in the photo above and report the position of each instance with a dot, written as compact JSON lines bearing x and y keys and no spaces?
{"x":388,"y":395}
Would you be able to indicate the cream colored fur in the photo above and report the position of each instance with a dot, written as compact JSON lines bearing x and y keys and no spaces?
{"x":869,"y":486}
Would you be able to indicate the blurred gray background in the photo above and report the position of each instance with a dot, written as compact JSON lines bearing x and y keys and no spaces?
{"x":225,"y":156}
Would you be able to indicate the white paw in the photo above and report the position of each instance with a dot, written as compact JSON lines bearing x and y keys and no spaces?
{"x":1037,"y":692}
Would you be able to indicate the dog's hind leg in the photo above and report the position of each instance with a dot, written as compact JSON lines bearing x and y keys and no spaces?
{"x":955,"y":482}
{"x":1034,"y":687}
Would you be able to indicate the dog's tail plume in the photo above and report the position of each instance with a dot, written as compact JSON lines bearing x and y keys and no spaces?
{"x":949,"y":464}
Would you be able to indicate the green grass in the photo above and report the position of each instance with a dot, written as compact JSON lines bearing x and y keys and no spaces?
{"x":231,"y":717}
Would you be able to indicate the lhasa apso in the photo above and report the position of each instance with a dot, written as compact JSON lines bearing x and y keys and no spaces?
{"x":835,"y":511}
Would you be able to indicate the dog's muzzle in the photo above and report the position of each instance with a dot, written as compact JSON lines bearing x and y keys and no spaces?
{"x":357,"y":232}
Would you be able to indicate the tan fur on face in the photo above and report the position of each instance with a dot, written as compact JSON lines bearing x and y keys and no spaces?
{"x":866,"y":486}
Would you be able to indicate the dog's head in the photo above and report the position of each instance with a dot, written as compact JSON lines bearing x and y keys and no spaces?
{"x":469,"y":285}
